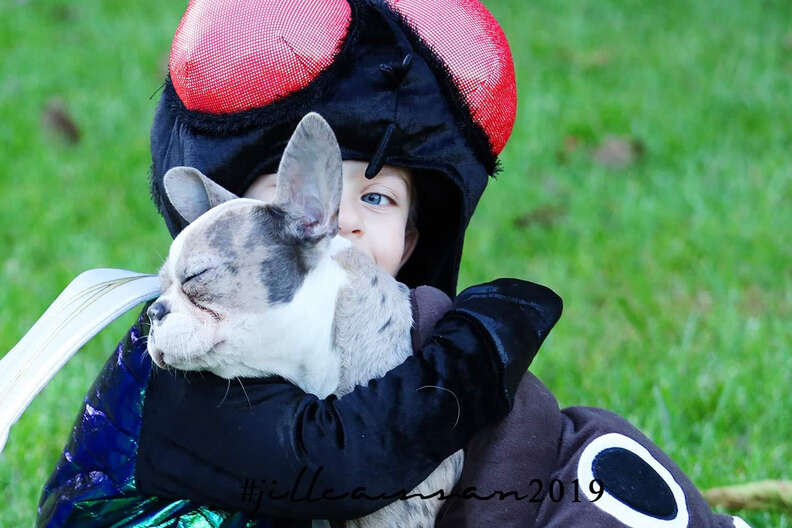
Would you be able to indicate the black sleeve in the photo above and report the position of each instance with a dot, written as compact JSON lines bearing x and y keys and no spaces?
{"x":265,"y":447}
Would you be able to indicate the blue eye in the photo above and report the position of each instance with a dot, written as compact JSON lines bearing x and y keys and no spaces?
{"x":374,"y":198}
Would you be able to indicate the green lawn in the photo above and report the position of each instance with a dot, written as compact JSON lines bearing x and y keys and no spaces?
{"x":675,"y":267}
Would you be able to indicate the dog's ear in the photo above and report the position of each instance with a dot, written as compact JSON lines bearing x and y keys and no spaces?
{"x":192,"y":193}
{"x":310,"y":177}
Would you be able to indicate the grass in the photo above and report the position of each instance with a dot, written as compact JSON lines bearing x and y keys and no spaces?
{"x":675,"y":268}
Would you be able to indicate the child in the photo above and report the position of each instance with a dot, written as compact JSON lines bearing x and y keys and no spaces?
{"x":427,"y":87}
{"x":359,"y":66}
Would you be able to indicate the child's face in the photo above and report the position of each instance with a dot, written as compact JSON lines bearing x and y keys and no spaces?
{"x":373,"y":213}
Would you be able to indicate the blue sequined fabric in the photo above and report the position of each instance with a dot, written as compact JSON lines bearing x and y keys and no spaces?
{"x":94,"y":481}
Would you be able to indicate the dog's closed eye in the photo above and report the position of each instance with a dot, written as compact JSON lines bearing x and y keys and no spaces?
{"x":194,"y":275}
{"x":198,"y":291}
{"x":195,"y":284}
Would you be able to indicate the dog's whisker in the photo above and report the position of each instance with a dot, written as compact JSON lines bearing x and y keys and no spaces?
{"x":459,"y":408}
{"x":246,"y":394}
{"x":228,"y":387}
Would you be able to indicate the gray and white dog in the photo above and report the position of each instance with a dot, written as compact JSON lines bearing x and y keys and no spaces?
{"x":254,"y":289}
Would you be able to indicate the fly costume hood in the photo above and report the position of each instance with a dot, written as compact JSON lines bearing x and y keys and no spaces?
{"x":424,"y":84}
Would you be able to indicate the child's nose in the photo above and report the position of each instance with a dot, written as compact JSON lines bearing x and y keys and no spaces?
{"x":350,"y":222}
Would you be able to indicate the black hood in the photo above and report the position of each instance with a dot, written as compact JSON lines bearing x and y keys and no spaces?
{"x":389,"y":99}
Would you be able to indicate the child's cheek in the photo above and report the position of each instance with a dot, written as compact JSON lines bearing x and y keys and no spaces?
{"x":391,"y":254}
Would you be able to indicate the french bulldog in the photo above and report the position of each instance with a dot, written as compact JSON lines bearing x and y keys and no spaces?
{"x":254,"y":289}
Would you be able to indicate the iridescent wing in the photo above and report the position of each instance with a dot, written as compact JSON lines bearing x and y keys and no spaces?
{"x":90,"y":302}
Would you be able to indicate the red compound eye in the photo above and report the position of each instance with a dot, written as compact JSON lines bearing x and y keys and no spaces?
{"x":230,"y":56}
{"x":468,"y":39}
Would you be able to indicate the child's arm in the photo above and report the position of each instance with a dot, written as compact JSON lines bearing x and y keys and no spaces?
{"x":383,"y":438}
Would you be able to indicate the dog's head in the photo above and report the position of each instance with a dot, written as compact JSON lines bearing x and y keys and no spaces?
{"x":240,"y":262}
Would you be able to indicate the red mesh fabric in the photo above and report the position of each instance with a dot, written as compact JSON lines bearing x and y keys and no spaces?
{"x":468,"y":39}
{"x":233,"y":55}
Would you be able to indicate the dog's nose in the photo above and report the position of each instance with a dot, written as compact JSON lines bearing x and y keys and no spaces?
{"x":158,"y":311}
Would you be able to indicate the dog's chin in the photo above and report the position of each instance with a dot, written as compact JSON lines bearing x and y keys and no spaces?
{"x":182,"y":361}
{"x":192,"y":363}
